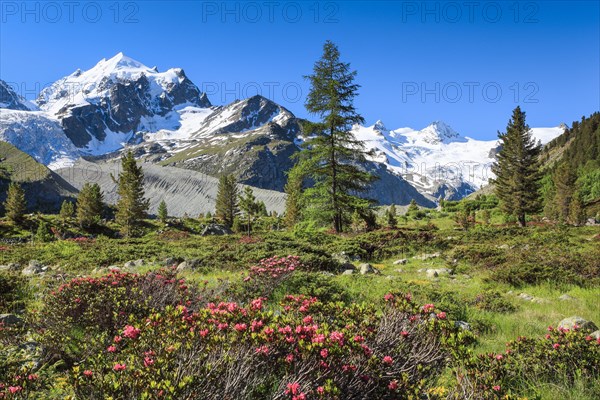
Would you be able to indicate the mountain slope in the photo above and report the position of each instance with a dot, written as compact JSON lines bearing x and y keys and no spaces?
{"x":438,"y":161}
{"x":184,"y":191}
{"x":44,"y":190}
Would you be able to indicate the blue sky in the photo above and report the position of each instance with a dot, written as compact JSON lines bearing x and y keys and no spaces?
{"x":468,"y":65}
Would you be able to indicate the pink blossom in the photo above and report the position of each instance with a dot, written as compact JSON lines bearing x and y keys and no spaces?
{"x":393,"y":385}
{"x":441,"y":315}
{"x":240,"y":327}
{"x":388,"y":297}
{"x":496,"y":388}
{"x":111,"y":349}
{"x":148,"y":361}
{"x":388,"y":360}
{"x":131,"y":332}
{"x":324,"y":353}
{"x":320,"y":390}
{"x":555,"y":346}
{"x":118,"y":339}
{"x":14,"y":389}
{"x":404,"y":333}
{"x":289,"y":358}
{"x":292,"y":388}
{"x":499,"y":357}
{"x":88,"y":373}
{"x":428,"y":307}
{"x":119,"y":367}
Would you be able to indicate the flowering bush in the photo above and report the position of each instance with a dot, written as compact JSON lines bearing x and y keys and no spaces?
{"x":82,"y":315}
{"x":562,"y":355}
{"x":227,"y":350}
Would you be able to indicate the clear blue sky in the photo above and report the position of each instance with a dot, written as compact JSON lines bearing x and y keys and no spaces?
{"x":417,"y":61}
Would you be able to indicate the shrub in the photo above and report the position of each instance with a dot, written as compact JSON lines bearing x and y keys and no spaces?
{"x":561,"y":356}
{"x":81,"y":315}
{"x":493,"y":301}
{"x":14,"y":292}
{"x":227,"y":350}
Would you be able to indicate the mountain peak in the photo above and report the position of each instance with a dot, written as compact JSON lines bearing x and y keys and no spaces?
{"x":379,"y":125}
{"x":439,"y":132}
{"x":121,"y":61}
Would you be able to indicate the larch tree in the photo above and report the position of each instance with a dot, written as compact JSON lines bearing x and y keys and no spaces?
{"x":332,"y":156}
{"x":517,"y":170}
{"x":227,"y":200}
{"x":132,"y":206}
{"x":15,"y":203}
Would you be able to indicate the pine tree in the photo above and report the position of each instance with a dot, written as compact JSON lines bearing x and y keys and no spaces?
{"x":89,"y":205}
{"x":392,"y":221}
{"x":227,"y":200}
{"x":412,"y":206}
{"x":163,"y":213}
{"x":249,"y":206}
{"x":131,"y":206}
{"x":67,"y":211}
{"x":293,"y":189}
{"x":15,"y":203}
{"x":517,"y":169}
{"x":333,"y":154}
{"x":564,"y":184}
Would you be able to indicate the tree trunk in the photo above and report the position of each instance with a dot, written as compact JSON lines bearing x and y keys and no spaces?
{"x":521,"y":219}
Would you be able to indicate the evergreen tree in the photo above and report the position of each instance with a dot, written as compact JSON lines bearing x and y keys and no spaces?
{"x":249,"y":206}
{"x":412,"y":206}
{"x":67,"y":211}
{"x":43,"y":233}
{"x":89,"y":205}
{"x":517,"y":169}
{"x":131,"y":206}
{"x":15,"y":203}
{"x":163,"y":213}
{"x":392,"y":221}
{"x":333,"y":154}
{"x":227,"y":200}
{"x":293,"y":189}
{"x":564,"y":186}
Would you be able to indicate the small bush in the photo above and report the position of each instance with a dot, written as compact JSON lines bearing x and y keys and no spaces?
{"x":565,"y":356}
{"x":493,"y":301}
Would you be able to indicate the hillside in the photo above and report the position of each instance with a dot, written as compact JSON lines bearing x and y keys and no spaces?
{"x":184,"y":191}
{"x":44,"y":189}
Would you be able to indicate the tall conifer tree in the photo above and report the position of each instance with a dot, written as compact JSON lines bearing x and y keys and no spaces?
{"x":517,"y":169}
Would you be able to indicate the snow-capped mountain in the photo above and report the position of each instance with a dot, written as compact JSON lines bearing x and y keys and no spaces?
{"x":164,"y":118}
{"x":102,"y":108}
{"x":437,"y":160}
{"x":33,"y":131}
{"x":9,"y":99}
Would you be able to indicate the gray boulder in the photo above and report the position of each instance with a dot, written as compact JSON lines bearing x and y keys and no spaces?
{"x":216,"y":229}
{"x":366,"y":268}
{"x":595,"y":334}
{"x":33,"y":268}
{"x":566,"y":297}
{"x":434,"y":273}
{"x":188,"y":265}
{"x":462,"y":325}
{"x":583,"y":324}
{"x":10,"y":267}
{"x":424,"y":257}
{"x":401,"y":262}
{"x":348,"y":272}
{"x":10,"y":319}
